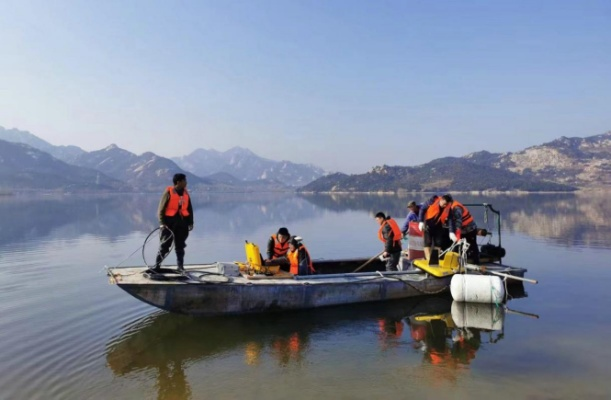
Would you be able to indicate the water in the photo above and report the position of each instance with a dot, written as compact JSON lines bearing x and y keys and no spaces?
{"x":65,"y":333}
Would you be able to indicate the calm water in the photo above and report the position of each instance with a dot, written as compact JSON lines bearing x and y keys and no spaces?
{"x":65,"y":333}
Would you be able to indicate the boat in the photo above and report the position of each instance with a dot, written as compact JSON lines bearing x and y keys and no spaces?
{"x":224,"y":288}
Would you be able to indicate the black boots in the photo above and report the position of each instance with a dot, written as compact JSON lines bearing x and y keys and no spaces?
{"x":180,"y":260}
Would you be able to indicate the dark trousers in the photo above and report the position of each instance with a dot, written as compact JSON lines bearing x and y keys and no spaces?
{"x":393,"y":261}
{"x":437,"y":236}
{"x":473,"y":252}
{"x":181,"y":232}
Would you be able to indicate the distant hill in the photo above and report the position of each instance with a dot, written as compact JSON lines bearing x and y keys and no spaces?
{"x":64,"y":153}
{"x":147,"y":171}
{"x":24,"y":167}
{"x":444,"y":174}
{"x":247,"y":166}
{"x":584,"y":162}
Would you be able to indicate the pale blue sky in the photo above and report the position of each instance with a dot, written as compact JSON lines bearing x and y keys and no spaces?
{"x":345,"y":85}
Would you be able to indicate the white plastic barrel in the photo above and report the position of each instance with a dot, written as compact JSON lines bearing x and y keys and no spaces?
{"x":477,"y":288}
{"x":478,"y":315}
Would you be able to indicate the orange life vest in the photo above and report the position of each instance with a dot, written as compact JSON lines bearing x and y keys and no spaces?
{"x":395,"y":230}
{"x":293,"y":257}
{"x":280,"y":249}
{"x":435,"y":213}
{"x":177,"y":203}
{"x":467,"y":218}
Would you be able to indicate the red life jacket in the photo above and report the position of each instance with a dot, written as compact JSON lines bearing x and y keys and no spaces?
{"x":435,"y":213}
{"x":177,"y":203}
{"x":395,"y":230}
{"x":280,"y":249}
{"x":294,"y":259}
{"x":467,"y":218}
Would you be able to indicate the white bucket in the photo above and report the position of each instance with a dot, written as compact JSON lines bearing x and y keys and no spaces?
{"x":477,"y":288}
{"x":478,"y":315}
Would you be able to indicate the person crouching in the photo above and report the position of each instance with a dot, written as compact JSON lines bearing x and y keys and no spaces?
{"x":299,"y":257}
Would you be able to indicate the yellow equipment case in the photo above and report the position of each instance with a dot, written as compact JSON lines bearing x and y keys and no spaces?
{"x":448,"y":266}
{"x":254,"y":262}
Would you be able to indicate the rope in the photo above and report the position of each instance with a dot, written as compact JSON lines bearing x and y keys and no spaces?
{"x":163,"y":257}
{"x":415,"y":287}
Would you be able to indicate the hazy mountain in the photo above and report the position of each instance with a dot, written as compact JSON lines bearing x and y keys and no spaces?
{"x":24,"y":167}
{"x":441,"y":175}
{"x":147,"y":171}
{"x":245,"y":165}
{"x":584,"y":162}
{"x":65,"y":153}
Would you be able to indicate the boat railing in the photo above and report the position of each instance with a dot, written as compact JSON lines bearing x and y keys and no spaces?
{"x":489,"y":207}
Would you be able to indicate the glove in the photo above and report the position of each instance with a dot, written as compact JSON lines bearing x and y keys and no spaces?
{"x":162,"y":226}
{"x":421,"y":226}
{"x":453,"y":237}
{"x":458,"y":234}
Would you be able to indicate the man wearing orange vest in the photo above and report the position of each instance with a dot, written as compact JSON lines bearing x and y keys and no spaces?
{"x":389,"y":234}
{"x":175,"y":217}
{"x":461,"y":224}
{"x":277,"y":247}
{"x":430,"y":224}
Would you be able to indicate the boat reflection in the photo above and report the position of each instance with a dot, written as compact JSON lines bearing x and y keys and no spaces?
{"x":446,"y":333}
{"x":452,"y":339}
{"x":165,"y":343}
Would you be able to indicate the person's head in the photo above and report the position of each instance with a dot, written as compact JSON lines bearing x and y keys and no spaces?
{"x":412,"y":206}
{"x":294,"y":243}
{"x":283,"y":235}
{"x":180,"y":180}
{"x":380,"y":217}
{"x":445,"y":199}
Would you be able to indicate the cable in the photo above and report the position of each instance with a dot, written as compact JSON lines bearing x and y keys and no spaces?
{"x":161,"y":243}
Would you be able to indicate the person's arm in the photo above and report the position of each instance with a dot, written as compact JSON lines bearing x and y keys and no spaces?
{"x":270,"y":248}
{"x":405,"y":226}
{"x":454,"y":223}
{"x":389,"y":236}
{"x":163,"y":203}
{"x":425,"y":206}
{"x":190,"y":218}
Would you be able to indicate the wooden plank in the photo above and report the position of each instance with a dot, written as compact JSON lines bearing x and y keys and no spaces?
{"x":279,"y":275}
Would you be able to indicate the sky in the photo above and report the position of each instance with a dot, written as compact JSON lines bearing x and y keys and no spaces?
{"x":343,"y":84}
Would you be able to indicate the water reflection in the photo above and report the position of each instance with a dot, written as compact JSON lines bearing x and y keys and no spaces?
{"x":113,"y":216}
{"x":166,"y":343}
{"x":565,"y":218}
{"x":447,"y":334}
{"x":449,"y":341}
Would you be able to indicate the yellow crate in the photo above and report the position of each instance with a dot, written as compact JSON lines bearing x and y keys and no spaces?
{"x":254,"y":262}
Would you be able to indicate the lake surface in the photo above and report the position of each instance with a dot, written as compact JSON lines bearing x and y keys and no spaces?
{"x":66,"y":333}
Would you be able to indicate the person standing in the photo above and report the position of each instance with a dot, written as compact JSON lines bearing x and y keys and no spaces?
{"x":389,"y":234}
{"x":430,"y":223}
{"x":412,"y":216}
{"x":175,"y":215}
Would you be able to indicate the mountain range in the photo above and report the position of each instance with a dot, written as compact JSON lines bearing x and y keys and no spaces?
{"x":234,"y":170}
{"x":24,"y":167}
{"x":583,"y":162}
{"x":565,"y":164}
{"x":246,"y":165}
